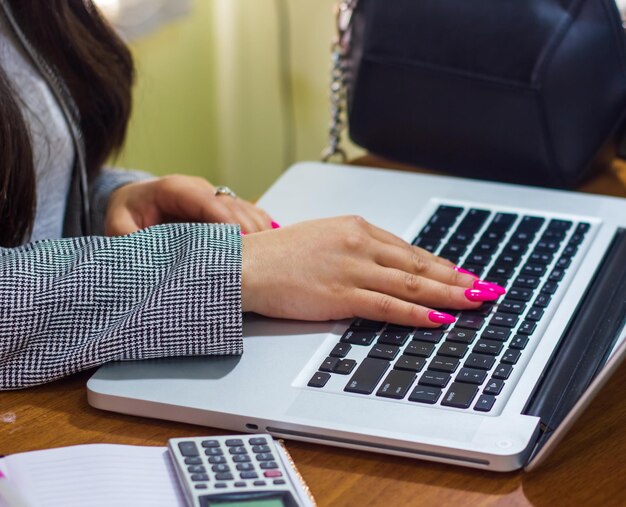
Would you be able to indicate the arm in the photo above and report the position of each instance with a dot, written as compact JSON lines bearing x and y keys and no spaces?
{"x":71,"y":304}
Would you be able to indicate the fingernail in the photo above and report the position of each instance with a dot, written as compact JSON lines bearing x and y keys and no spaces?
{"x":275,"y":225}
{"x":481,"y":295}
{"x":482,"y":284}
{"x":242,"y":233}
{"x":440,"y":317}
{"x":464,"y":271}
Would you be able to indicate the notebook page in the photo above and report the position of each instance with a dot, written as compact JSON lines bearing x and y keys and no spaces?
{"x":98,"y":475}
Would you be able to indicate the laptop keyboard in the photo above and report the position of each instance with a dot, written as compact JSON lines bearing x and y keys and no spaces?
{"x":466,"y":364}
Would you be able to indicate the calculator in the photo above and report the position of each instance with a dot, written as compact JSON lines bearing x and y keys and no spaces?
{"x":250,"y":470}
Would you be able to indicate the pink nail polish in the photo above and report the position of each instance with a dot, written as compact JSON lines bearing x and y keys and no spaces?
{"x":275,"y":225}
{"x":242,"y":233}
{"x":482,"y":284}
{"x":440,"y":317}
{"x":481,"y":295}
{"x":464,"y":271}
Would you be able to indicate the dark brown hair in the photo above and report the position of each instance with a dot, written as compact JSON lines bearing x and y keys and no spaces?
{"x":97,"y":68}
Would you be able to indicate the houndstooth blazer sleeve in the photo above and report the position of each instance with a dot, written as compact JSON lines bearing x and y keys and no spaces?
{"x":71,"y":304}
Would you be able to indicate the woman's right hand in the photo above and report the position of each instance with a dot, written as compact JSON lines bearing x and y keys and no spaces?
{"x":346,"y":267}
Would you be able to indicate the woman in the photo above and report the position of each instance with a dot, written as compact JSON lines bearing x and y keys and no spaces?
{"x":98,"y":264}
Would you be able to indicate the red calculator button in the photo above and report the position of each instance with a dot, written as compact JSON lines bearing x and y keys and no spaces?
{"x":273,"y":473}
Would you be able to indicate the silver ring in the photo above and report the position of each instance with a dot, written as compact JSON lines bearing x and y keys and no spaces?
{"x":223,"y":190}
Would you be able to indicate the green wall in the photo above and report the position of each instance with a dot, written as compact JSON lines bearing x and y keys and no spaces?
{"x":209,"y":101}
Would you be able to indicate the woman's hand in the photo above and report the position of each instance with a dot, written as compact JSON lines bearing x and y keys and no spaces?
{"x":178,"y":199}
{"x":345,"y":267}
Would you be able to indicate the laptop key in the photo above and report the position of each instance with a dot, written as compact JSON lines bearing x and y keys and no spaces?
{"x":479,"y":361}
{"x":511,"y":356}
{"x":444,"y":364}
{"x":530,"y":224}
{"x":452,"y":349}
{"x":382,"y":351}
{"x":496,"y":333}
{"x":470,"y":321}
{"x":425,"y":394}
{"x":394,"y":337}
{"x":512,"y":306}
{"x":485,"y":403}
{"x":520,"y":294}
{"x":527,"y":327}
{"x":542,"y":300}
{"x":550,"y":287}
{"x":461,"y":335}
{"x":540,"y":258}
{"x":434,"y":379}
{"x":358,"y":337}
{"x":534,"y":270}
{"x":535,"y":313}
{"x":489,"y":347}
{"x":345,"y":366}
{"x":494,"y":386}
{"x":367,"y":376}
{"x":518,"y":342}
{"x":526,"y":282}
{"x":563,"y":262}
{"x":428,"y":335}
{"x":396,"y":384}
{"x":419,"y":348}
{"x":558,"y":224}
{"x":471,"y":376}
{"x":460,"y":395}
{"x":410,"y":363}
{"x":319,"y":379}
{"x":361,"y":324}
{"x":341,"y":350}
{"x":329,"y":364}
{"x":502,"y":371}
{"x":504,"y":319}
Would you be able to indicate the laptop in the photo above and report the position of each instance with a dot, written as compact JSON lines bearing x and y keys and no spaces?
{"x":496,"y":390}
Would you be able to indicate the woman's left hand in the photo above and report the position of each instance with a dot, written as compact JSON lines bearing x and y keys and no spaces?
{"x":178,"y":199}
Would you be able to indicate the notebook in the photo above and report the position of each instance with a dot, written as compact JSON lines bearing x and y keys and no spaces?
{"x":496,"y":390}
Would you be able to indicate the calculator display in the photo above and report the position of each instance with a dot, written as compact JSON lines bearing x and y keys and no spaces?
{"x":265,"y":502}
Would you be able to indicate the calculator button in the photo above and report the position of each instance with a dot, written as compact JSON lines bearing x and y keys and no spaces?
{"x":245,"y":467}
{"x":241,"y":458}
{"x":259,"y":483}
{"x":210,"y":443}
{"x":240,"y":484}
{"x":261,"y":448}
{"x":188,"y":448}
{"x":216,"y":460}
{"x":193,"y":461}
{"x":224,"y":476}
{"x":195,"y":469}
{"x":265,"y":456}
{"x":258,"y":441}
{"x":220,"y":468}
{"x":279,"y":481}
{"x":238,"y":450}
{"x":234,"y":442}
{"x":201,"y":486}
{"x":266,"y":465}
{"x":199,"y":477}
{"x":220,"y":485}
{"x":273,"y":473}
{"x":213,"y":451}
{"x":249,"y":475}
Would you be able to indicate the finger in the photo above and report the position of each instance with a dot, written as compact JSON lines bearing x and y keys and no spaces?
{"x":419,"y":262}
{"x":122,"y":222}
{"x":247,"y":222}
{"x":262,"y":220}
{"x":422,"y":290}
{"x":383,"y":307}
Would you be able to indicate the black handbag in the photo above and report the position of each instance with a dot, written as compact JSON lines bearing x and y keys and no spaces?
{"x":526,"y":91}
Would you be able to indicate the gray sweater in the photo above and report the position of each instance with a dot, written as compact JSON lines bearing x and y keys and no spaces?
{"x":74,"y":303}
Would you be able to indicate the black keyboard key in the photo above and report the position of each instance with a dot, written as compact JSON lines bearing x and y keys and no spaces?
{"x":358,"y":337}
{"x":329,"y":364}
{"x":511,"y":356}
{"x":530,"y":224}
{"x":442,"y":219}
{"x":474,"y":268}
{"x":576,"y":239}
{"x":542,"y":300}
{"x":570,"y":250}
{"x":433,"y":231}
{"x":561,"y":225}
{"x":340,"y":350}
{"x":451,"y":349}
{"x":535,"y":313}
{"x":550,"y":287}
{"x":446,"y":209}
{"x":460,"y":395}
{"x":494,"y":386}
{"x":504,"y":319}
{"x":434,"y":379}
{"x":396,"y":384}
{"x":563,"y":262}
{"x":553,"y":235}
{"x":419,"y":348}
{"x":367,"y":376}
{"x":345,"y":367}
{"x":485,"y":403}
{"x":410,"y":363}
{"x":424,"y":394}
{"x":527,"y":327}
{"x":522,"y":237}
{"x":512,"y":306}
{"x":461,"y":238}
{"x":469,"y":320}
{"x":502,"y":371}
{"x":508,"y":259}
{"x":515,"y":248}
{"x":478,"y":258}
{"x":543,"y":258}
{"x":496,"y":333}
{"x":533,"y":270}
{"x":503,"y":221}
{"x":556,"y":275}
{"x":501,"y":272}
{"x":518,"y":342}
{"x":489,"y":347}
{"x":188,"y":448}
{"x":547,"y":246}
{"x":398,"y":338}
{"x":484,"y":309}
{"x":428,"y":335}
{"x":526,"y":282}
{"x":471,"y":376}
{"x":461,"y":335}
{"x":428,"y":244}
{"x":519,"y":294}
{"x":473,"y":220}
{"x":485,"y":247}
{"x":444,"y":364}
{"x":492,"y":234}
{"x":381,"y":351}
{"x":452,"y":250}
{"x":361,"y":324}
{"x":479,"y":361}
{"x":582,"y":228}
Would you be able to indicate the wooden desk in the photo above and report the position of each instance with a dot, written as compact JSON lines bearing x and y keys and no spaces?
{"x":587,"y":469}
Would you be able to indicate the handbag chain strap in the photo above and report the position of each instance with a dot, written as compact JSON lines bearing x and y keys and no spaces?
{"x":339,"y":52}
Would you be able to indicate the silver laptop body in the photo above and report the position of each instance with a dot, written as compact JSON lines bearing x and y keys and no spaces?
{"x":267,"y":388}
